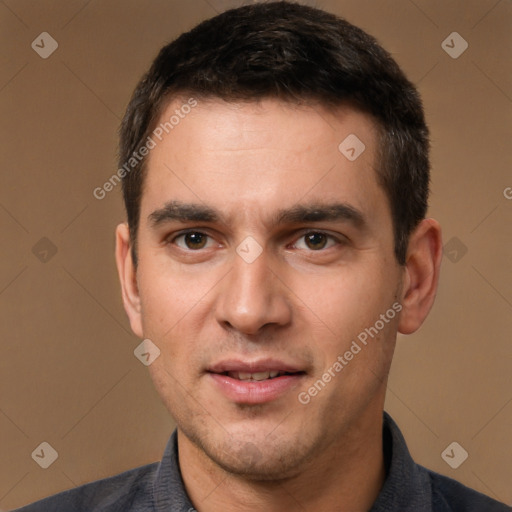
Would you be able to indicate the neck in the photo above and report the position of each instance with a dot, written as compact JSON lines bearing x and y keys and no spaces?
{"x":346,"y":476}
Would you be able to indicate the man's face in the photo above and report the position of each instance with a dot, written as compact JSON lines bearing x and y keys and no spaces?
{"x":288,"y":258}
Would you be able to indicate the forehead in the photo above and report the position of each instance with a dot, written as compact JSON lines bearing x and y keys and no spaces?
{"x":254,"y":157}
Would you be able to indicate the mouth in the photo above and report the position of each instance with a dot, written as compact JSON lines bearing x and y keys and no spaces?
{"x":258,"y":376}
{"x":255,"y":382}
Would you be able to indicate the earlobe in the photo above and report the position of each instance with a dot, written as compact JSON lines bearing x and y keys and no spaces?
{"x":128,"y":279}
{"x":422,"y":270}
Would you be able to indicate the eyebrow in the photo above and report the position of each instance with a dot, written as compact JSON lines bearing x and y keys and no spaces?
{"x":330,"y":212}
{"x":183,"y":212}
{"x":317,"y":212}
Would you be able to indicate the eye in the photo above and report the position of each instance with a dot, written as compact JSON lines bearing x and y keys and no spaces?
{"x":192,"y":240}
{"x":315,"y":241}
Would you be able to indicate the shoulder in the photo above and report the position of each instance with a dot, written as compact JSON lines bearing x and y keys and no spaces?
{"x":450,"y":495}
{"x":410,"y":486}
{"x":131,"y":490}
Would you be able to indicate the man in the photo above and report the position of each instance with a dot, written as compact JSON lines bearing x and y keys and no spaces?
{"x":275,"y":176}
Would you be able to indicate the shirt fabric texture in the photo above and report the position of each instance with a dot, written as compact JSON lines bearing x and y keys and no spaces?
{"x":158,"y":487}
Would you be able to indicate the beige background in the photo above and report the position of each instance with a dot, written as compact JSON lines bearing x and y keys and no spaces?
{"x":68,"y":375}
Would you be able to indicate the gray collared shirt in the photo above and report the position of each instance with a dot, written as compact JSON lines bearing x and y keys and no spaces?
{"x":158,"y":487}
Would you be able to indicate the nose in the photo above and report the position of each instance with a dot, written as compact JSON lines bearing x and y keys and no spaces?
{"x":252,"y":296}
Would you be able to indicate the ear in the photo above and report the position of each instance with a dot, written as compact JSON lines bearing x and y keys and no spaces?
{"x":128,"y":278}
{"x":422,"y":267}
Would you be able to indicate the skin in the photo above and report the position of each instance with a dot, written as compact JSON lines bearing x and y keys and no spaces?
{"x":301,"y":303}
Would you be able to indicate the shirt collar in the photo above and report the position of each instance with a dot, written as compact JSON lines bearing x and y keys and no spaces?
{"x":407,"y":485}
{"x":169,"y":493}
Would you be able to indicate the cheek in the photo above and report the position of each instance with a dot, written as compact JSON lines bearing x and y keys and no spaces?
{"x":168,"y":297}
{"x":176,"y":307}
{"x":348,"y":308}
{"x":174,"y":392}
{"x":346,"y":299}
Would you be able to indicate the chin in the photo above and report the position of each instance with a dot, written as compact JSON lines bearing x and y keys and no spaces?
{"x":256,"y":455}
{"x":251,"y":463}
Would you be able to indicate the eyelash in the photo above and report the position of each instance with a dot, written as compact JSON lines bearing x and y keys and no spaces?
{"x":338,"y":241}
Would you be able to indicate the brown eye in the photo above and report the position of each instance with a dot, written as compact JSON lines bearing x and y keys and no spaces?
{"x":315,"y":241}
{"x":193,"y":240}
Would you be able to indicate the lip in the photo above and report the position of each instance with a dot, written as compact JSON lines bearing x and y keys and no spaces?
{"x":259,"y":365}
{"x":250,"y":391}
{"x":254,"y":392}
